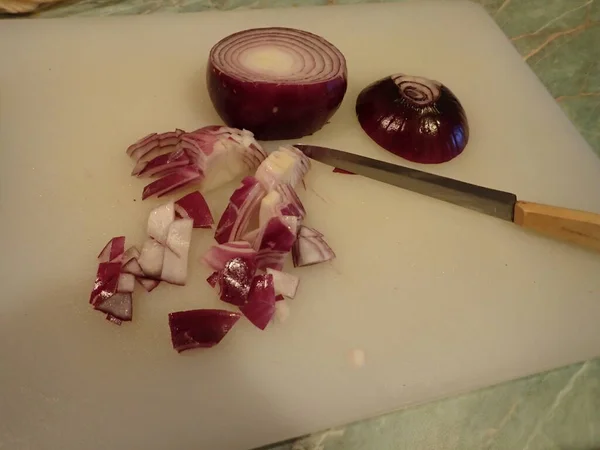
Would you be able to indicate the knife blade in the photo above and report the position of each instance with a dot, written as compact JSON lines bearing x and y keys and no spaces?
{"x":574,"y":226}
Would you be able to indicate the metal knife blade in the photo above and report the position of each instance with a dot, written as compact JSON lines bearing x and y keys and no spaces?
{"x":495,"y":203}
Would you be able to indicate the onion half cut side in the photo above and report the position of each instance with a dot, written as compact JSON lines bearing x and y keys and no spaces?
{"x":416,"y":118}
{"x":279,"y":83}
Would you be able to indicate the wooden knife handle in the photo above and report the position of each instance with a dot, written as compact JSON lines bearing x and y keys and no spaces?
{"x":578,"y":227}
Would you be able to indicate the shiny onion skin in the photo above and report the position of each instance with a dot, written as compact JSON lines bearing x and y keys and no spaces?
{"x":288,"y":101}
{"x":418,"y":119}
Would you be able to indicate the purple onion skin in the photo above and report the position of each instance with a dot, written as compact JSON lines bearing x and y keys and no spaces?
{"x":430,"y":134}
{"x":271,"y":111}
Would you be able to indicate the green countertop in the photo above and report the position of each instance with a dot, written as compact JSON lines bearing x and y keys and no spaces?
{"x":560,"y":40}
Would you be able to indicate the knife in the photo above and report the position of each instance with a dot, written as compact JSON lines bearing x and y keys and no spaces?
{"x":573,"y":226}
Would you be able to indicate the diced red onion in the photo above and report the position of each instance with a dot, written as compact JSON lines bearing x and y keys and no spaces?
{"x":218,"y":255}
{"x":126,"y":283}
{"x":113,"y":250}
{"x":175,"y":262}
{"x":119,"y":305}
{"x":195,"y":207}
{"x":235,"y":280}
{"x":290,"y":197}
{"x":160,"y":165}
{"x":285,"y":284}
{"x":113,"y":319}
{"x":309,"y":232}
{"x":159,"y":221}
{"x":151,"y":258}
{"x":310,"y":250}
{"x":153,"y":142}
{"x":261,"y":301}
{"x":243,"y":206}
{"x":208,"y":157}
{"x":287,"y":165}
{"x":213,"y":279}
{"x":106,"y":283}
{"x":133,"y":267}
{"x":279,"y":83}
{"x":175,"y":180}
{"x":414,"y":117}
{"x":148,"y":283}
{"x":130,"y":254}
{"x":200,"y":328}
{"x":278,"y":234}
{"x":279,"y":298}
{"x":338,"y":170}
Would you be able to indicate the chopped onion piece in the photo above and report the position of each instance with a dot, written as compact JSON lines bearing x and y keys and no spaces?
{"x":133,"y":267}
{"x":235,"y":280}
{"x":310,"y":250}
{"x":153,"y":142}
{"x":132,"y":253}
{"x":243,"y":206}
{"x":268,"y":207}
{"x":160,"y":220}
{"x":113,"y":319}
{"x":160,"y":165}
{"x":213,"y":279}
{"x":126,"y":283}
{"x":175,"y":262}
{"x":113,"y":250}
{"x":279,"y":83}
{"x":106,"y":283}
{"x":200,"y":327}
{"x":285,"y":284}
{"x":416,"y":118}
{"x":309,"y":232}
{"x":118,"y":305}
{"x":151,"y":258}
{"x":195,"y":207}
{"x":290,"y":198}
{"x":338,"y":170}
{"x":283,"y":166}
{"x":208,"y":157}
{"x":148,"y":283}
{"x":261,"y":301}
{"x":218,"y":255}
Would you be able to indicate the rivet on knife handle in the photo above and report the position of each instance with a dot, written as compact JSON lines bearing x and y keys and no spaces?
{"x":578,"y":227}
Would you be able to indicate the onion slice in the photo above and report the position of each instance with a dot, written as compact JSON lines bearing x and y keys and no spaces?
{"x":243,"y":206}
{"x":218,"y":255}
{"x":200,"y":328}
{"x":285,"y":284}
{"x":106,"y":283}
{"x":235,"y":281}
{"x":310,"y":248}
{"x":119,"y":305}
{"x":261,"y":301}
{"x":113,"y":250}
{"x":279,"y":83}
{"x":159,"y":221}
{"x":207,"y":157}
{"x":195,"y":207}
{"x":175,"y":262}
{"x":151,"y":258}
{"x":416,"y":118}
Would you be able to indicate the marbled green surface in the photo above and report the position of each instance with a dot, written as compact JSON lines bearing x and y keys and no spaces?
{"x":560,"y":40}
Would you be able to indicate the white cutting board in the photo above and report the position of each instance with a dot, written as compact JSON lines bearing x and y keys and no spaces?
{"x":440,"y":299}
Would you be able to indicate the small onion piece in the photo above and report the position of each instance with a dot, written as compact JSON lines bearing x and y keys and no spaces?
{"x":279,"y":83}
{"x":260,"y":307}
{"x":200,"y":327}
{"x":416,"y":118}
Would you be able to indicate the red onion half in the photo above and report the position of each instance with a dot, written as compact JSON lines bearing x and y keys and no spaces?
{"x":414,"y":117}
{"x":279,"y":83}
